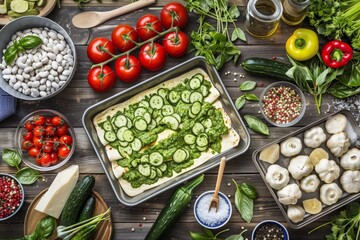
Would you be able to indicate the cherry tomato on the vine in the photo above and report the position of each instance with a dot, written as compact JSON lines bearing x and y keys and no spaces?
{"x":28,"y":136}
{"x":26,"y":145}
{"x":128,"y":69}
{"x":175,"y":43}
{"x":39,"y":131}
{"x":48,"y":120}
{"x":39,"y":120}
{"x":174,"y":13}
{"x":50,"y":130}
{"x":152,"y":56}
{"x":101,"y":80}
{"x":48,"y":147}
{"x":99,"y":48}
{"x":148,"y":26}
{"x":45,"y":160}
{"x":62,"y":130}
{"x":66,"y":139}
{"x":33,"y":152}
{"x":57,"y":121}
{"x":63,"y":151}
{"x":28,"y":125}
{"x":38,"y":142}
{"x":123,"y":36}
{"x":54,"y":158}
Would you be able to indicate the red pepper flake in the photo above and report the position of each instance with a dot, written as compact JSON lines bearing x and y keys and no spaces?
{"x":10,"y":196}
{"x":282,"y":104}
{"x":273,"y":58}
{"x":140,"y":224}
{"x":261,"y":84}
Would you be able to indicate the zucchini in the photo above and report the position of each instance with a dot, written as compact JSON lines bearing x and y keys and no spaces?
{"x":76,"y":200}
{"x":267,"y":67}
{"x":87,"y":210}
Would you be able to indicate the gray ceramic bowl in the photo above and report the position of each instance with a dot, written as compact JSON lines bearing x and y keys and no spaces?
{"x":21,"y":24}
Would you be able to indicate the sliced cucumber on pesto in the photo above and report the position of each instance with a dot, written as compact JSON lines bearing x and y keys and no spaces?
{"x":144,"y":159}
{"x":156,"y":102}
{"x":123,"y":143}
{"x":120,"y":133}
{"x":107,"y":126}
{"x":152,"y":125}
{"x":194,"y":83}
{"x":152,"y":173}
{"x":120,"y":121}
{"x":204,"y":91}
{"x":156,"y":158}
{"x":162,"y":92}
{"x":198,"y":128}
{"x":179,"y":155}
{"x":110,"y":136}
{"x":140,"y":111}
{"x":140,"y":124}
{"x":196,"y":97}
{"x":145,"y":170}
{"x":136,"y":145}
{"x":128,"y":135}
{"x":199,"y":76}
{"x":147,"y":117}
{"x":202,"y":140}
{"x":189,"y":139}
{"x":196,"y":108}
{"x":163,"y":167}
{"x":185,"y":96}
{"x":159,"y":173}
{"x":207,"y":123}
{"x":135,"y":163}
{"x":177,"y":116}
{"x":174,"y":96}
{"x":144,"y":104}
{"x":167,"y":110}
{"x":171,"y":122}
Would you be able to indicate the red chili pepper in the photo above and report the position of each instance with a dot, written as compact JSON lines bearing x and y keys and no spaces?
{"x":336,"y":54}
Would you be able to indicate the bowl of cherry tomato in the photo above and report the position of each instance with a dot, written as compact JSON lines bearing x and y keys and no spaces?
{"x":45,"y":140}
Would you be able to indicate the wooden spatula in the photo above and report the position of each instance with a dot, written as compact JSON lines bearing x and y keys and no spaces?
{"x":92,"y":19}
{"x":215,"y":197}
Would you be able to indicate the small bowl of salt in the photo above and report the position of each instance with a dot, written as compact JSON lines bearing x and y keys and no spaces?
{"x":212,"y":219}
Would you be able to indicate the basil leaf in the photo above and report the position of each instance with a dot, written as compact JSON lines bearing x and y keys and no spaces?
{"x":10,"y":54}
{"x":208,"y":232}
{"x":251,"y":97}
{"x":249,"y":190}
{"x":198,"y":236}
{"x":234,"y":12}
{"x":239,"y":102}
{"x":256,"y":124}
{"x":236,"y":237}
{"x":341,"y":91}
{"x":238,"y":34}
{"x":247,"y":86}
{"x":29,"y":42}
{"x":11,"y":157}
{"x":45,"y":227}
{"x":244,"y":204}
{"x":27,"y":176}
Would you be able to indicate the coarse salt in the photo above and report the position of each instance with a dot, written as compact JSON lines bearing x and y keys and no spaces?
{"x":212,"y":218}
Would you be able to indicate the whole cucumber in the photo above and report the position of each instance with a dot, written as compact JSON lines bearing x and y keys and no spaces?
{"x":87,"y":210}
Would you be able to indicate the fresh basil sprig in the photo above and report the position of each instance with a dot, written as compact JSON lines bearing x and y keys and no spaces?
{"x":240,"y":101}
{"x":208,"y":235}
{"x":25,"y":43}
{"x":247,"y":86}
{"x":245,"y":195}
{"x":27,"y":175}
{"x":256,"y":124}
{"x":11,"y":157}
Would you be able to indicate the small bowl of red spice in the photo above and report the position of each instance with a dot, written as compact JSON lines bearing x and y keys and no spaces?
{"x":282,"y":104}
{"x":11,"y":196}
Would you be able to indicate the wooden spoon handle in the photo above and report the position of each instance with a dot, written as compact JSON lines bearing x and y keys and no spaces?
{"x":220,"y":175}
{"x":128,"y":8}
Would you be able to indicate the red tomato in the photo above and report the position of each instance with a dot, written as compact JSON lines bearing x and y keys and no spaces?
{"x":48,"y":147}
{"x":175,"y":44}
{"x":57,"y":121}
{"x":99,"y":48}
{"x":56,"y":143}
{"x":45,"y":160}
{"x":127,"y":69}
{"x":50,"y":130}
{"x":66,"y":139}
{"x":26,"y":145}
{"x":48,"y":120}
{"x":62,"y":130}
{"x":152,"y":56}
{"x":148,"y":26}
{"x":29,"y":126}
{"x":39,"y":120}
{"x":63,"y":151}
{"x":38,"y":159}
{"x":123,"y":36}
{"x":54,"y":158}
{"x":38,"y":142}
{"x":39,"y":131}
{"x":101,"y":80}
{"x":33,"y":152}
{"x":174,"y":12}
{"x":28,"y":136}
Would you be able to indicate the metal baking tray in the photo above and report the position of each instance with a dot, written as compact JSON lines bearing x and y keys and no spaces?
{"x":236,"y":121}
{"x":353,"y":132}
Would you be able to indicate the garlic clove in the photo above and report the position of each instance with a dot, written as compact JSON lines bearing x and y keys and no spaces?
{"x":295,"y":213}
{"x":350,"y":181}
{"x":291,"y":147}
{"x":336,"y":124}
{"x":277,"y":177}
{"x":351,"y":160}
{"x":330,"y":193}
{"x":310,"y":183}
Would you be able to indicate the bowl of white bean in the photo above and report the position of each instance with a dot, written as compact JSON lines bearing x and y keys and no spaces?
{"x":40,"y":71}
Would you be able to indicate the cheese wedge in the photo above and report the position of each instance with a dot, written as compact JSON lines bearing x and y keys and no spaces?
{"x":53,"y":201}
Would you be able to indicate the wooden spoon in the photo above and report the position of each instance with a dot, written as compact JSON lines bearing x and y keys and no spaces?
{"x":92,"y":19}
{"x":215,"y":197}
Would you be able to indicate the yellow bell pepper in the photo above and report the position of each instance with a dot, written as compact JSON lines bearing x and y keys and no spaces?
{"x":303,"y":44}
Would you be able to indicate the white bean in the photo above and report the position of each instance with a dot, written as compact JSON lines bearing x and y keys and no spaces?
{"x":27,"y":91}
{"x":54,"y":65}
{"x":42,"y":87}
{"x":13,"y":79}
{"x":14,"y":69}
{"x":54,"y":73}
{"x":51,"y":56}
{"x":28,"y":69}
{"x":63,"y":78}
{"x":35,"y":92}
{"x":35,"y":84}
{"x":61,"y":83}
{"x":6,"y":77}
{"x":55,"y":85}
{"x":17,"y":85}
{"x":66,"y":72}
{"x":43,"y":93}
{"x":44,"y":74}
{"x":47,"y":68}
{"x":6,"y":71}
{"x":60,"y":69}
{"x":42,"y":81}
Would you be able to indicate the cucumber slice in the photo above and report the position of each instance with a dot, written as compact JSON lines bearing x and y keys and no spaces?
{"x":144,"y":159}
{"x":194,"y":83}
{"x":107,"y":126}
{"x":189,"y":139}
{"x":128,"y":150}
{"x":41,"y":3}
{"x":159,"y":173}
{"x":140,"y":111}
{"x":202,"y":149}
{"x":110,"y":136}
{"x":145,"y":170}
{"x":120,"y":121}
{"x":207,"y":123}
{"x":191,"y":115}
{"x":198,"y":128}
{"x":129,"y":123}
{"x":144,"y":104}
{"x":202,"y":140}
{"x":124,"y":151}
{"x":162,"y":92}
{"x":158,"y":119}
{"x":196,"y":108}
{"x":120,"y":133}
{"x":171,"y":122}
{"x":123,"y":143}
{"x":153,"y":174}
{"x":199,"y":76}
{"x":174,"y":97}
{"x":163,"y":167}
{"x":167,"y":110}
{"x":156,"y":102}
{"x":152,"y":125}
{"x":179,"y":155}
{"x":177,"y":116}
{"x":196,"y":97}
{"x":135,"y":163}
{"x":140,"y":124}
{"x":156,"y":159}
{"x":3,"y":9}
{"x":147,"y":117}
{"x":136,"y":145}
{"x":19,"y":6}
{"x":185,"y":96}
{"x":128,"y":135}
{"x":204,"y":90}
{"x":187,"y":153}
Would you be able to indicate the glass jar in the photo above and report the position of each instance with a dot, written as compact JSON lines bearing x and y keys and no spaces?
{"x":294,"y":11}
{"x":263,"y":17}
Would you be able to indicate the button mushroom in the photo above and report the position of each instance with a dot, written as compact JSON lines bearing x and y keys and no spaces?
{"x":300,"y":167}
{"x":314,"y":137}
{"x":295,"y":213}
{"x":289,"y":194}
{"x":330,"y":193}
{"x":328,"y":170}
{"x":310,"y":183}
{"x":338,"y":144}
{"x":291,"y":147}
{"x":277,"y":177}
{"x":350,"y":181}
{"x":336,"y":124}
{"x":351,"y":160}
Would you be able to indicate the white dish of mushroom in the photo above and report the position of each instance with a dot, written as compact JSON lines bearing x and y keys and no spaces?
{"x":314,"y":170}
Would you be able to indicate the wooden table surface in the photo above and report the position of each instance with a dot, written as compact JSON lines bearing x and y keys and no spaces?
{"x":134,"y":222}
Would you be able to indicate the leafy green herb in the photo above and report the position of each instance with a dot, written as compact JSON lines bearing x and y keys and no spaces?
{"x":339,"y":90}
{"x":216,"y":44}
{"x":236,"y":237}
{"x":249,"y":190}
{"x":247,"y":86}
{"x":25,"y":43}
{"x":256,"y":124}
{"x":208,"y":235}
{"x":27,"y":175}
{"x":251,"y":97}
{"x":245,"y":204}
{"x":11,"y":157}
{"x":240,"y":102}
{"x":346,"y":225}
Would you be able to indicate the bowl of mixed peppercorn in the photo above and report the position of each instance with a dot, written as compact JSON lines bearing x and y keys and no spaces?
{"x":282,"y":104}
{"x":11,"y":196}
{"x":270,"y":230}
